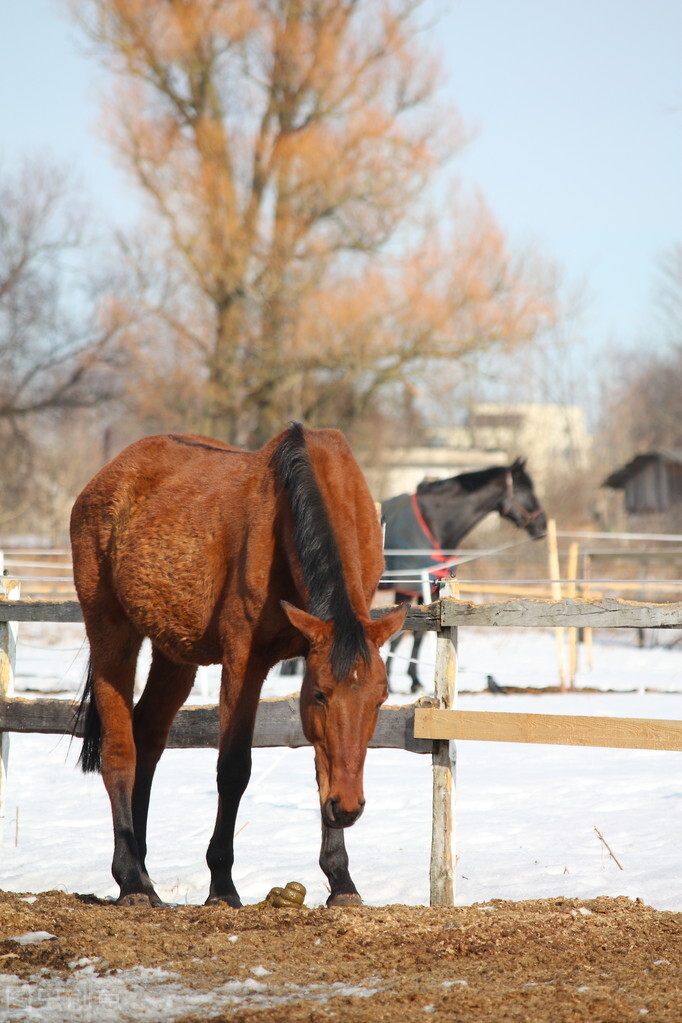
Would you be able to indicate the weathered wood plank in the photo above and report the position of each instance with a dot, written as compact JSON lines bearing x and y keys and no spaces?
{"x":605,"y":613}
{"x":9,"y":590}
{"x":55,"y":717}
{"x":420,"y":619}
{"x":441,"y":870}
{"x":40,"y":611}
{"x":278,"y":723}
{"x":550,"y":729}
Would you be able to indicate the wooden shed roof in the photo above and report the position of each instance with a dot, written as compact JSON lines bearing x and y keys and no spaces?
{"x":619,"y":478}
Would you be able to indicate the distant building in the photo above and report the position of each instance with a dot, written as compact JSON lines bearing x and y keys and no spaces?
{"x":651,"y":484}
{"x":403,"y":469}
{"x":553,"y":439}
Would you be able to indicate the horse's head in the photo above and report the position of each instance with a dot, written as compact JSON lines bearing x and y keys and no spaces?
{"x":519,"y":503}
{"x":339,"y":710}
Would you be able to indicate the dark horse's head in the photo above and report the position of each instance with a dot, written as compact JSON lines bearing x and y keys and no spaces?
{"x":345,"y":679}
{"x":519,"y":503}
{"x":341,"y":693}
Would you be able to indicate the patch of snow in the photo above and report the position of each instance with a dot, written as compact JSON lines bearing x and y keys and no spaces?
{"x":525,"y":813}
{"x":33,"y":937}
{"x":525,"y":816}
{"x":146,"y":996}
{"x":260,"y":971}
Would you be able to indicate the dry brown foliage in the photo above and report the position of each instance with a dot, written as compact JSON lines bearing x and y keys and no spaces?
{"x":286,"y":148}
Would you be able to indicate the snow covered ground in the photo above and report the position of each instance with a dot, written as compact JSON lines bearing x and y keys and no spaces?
{"x":526,"y":815}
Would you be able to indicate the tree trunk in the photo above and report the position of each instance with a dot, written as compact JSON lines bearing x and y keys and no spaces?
{"x":224,"y":414}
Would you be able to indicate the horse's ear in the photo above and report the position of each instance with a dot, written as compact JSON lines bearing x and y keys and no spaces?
{"x":383,"y":628}
{"x":519,"y":464}
{"x":314,"y":629}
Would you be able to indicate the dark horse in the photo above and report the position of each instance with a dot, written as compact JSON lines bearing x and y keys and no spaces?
{"x":441,"y":514}
{"x":240,"y":558}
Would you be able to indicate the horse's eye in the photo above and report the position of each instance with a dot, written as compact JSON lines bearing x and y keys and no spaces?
{"x":319,"y":697}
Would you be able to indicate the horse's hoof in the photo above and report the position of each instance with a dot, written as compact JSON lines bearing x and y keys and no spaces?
{"x":224,"y":900}
{"x":139,"y":899}
{"x":416,"y":687}
{"x":343,"y":899}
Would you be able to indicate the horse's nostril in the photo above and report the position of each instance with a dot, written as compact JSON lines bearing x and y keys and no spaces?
{"x":339,"y":818}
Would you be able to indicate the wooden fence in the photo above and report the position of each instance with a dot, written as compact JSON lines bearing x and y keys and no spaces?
{"x":45,"y":573}
{"x":429,"y":726}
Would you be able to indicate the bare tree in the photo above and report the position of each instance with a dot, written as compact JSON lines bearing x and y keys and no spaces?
{"x":286,"y":147}
{"x":58,"y":333}
{"x":642,"y":396}
{"x":54,"y":348}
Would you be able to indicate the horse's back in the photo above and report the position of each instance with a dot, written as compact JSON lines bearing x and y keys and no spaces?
{"x":157,"y":529}
{"x":183,"y":464}
{"x":168,"y":525}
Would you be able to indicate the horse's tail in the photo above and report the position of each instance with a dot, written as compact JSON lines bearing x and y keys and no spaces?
{"x":90,"y":757}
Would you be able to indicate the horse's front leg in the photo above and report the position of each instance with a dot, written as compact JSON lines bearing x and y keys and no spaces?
{"x":334,"y":863}
{"x":238,"y":705}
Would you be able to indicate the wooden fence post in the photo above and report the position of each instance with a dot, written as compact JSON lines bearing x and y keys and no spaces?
{"x":555,"y":576}
{"x":587,"y":632}
{"x":442,"y":874}
{"x":9,"y":590}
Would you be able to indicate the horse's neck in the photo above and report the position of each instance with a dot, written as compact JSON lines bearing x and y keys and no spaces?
{"x":453,"y":512}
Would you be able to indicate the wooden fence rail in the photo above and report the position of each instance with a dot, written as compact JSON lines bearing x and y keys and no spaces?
{"x":605,"y":613}
{"x":278,"y":723}
{"x":549,"y":729}
{"x":428,"y":726}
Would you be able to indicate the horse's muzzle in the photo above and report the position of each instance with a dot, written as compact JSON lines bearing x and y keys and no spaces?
{"x":335,"y":817}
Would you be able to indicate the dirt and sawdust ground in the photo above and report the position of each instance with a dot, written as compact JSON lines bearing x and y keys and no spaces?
{"x":555,"y":960}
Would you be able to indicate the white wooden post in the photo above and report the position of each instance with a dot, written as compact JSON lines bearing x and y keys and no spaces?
{"x":442,"y":874}
{"x":9,"y":590}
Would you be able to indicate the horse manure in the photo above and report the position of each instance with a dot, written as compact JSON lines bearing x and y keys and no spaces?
{"x":290,"y":897}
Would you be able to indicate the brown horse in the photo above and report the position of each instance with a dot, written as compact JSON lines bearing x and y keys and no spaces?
{"x":240,"y":558}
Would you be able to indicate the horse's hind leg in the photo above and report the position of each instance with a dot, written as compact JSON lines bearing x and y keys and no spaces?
{"x":392,"y":647}
{"x":334,"y":863}
{"x":168,"y":686}
{"x":114,"y":646}
{"x":412,"y":670}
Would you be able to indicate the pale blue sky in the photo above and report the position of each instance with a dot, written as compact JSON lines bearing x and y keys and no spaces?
{"x":577,"y":105}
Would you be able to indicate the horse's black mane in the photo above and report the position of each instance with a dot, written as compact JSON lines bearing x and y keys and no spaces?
{"x":318,"y":552}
